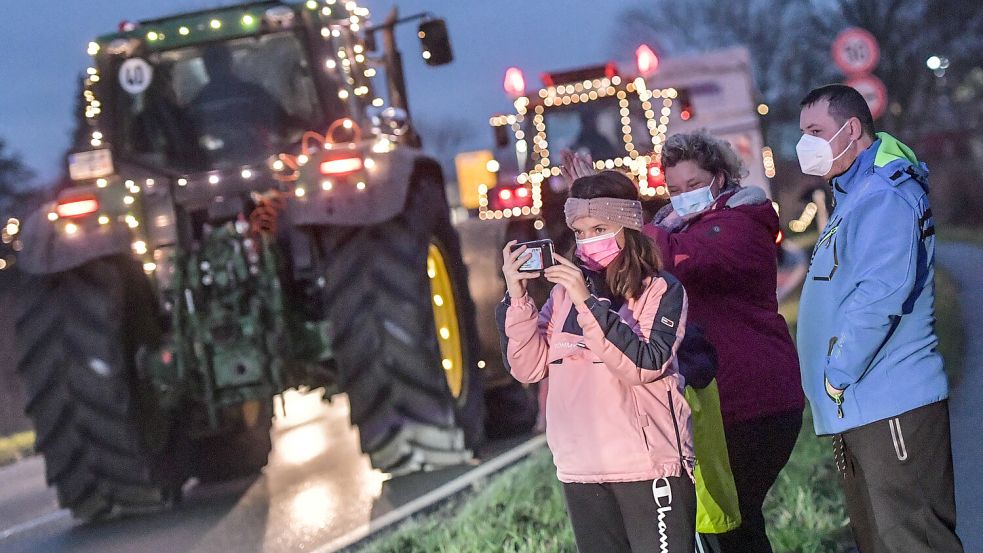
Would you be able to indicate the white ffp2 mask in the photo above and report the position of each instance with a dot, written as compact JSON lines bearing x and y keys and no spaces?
{"x":816,"y":155}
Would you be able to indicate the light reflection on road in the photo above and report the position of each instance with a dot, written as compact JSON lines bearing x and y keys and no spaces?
{"x":299,"y":445}
{"x":320,"y":483}
{"x":313,"y":508}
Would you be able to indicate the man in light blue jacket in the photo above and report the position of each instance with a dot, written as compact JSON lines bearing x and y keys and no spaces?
{"x":866,"y":337}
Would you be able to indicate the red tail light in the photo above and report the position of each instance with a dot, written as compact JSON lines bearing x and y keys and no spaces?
{"x":342,"y":166}
{"x":515,"y":83}
{"x":505,"y":194}
{"x":522,"y":192}
{"x":647,"y":61}
{"x":77,"y":207}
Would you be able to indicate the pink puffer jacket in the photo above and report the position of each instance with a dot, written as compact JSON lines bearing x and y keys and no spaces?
{"x":615,"y":410}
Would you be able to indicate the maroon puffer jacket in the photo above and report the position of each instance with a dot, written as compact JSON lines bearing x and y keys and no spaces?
{"x":725,"y":258}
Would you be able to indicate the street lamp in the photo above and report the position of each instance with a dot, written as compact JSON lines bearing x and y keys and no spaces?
{"x":937,"y":64}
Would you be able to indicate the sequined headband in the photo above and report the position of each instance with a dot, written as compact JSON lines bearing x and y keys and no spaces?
{"x":625,"y":213}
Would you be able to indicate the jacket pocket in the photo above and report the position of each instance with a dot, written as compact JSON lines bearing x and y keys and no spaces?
{"x":645,"y":423}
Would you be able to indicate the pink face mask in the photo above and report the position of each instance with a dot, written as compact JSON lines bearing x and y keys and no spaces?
{"x":598,"y":252}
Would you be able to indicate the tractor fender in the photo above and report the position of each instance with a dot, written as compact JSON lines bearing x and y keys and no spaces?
{"x":387,"y":185}
{"x":49,"y":249}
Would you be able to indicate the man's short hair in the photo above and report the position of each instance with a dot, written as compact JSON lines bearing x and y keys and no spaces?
{"x":844,"y":102}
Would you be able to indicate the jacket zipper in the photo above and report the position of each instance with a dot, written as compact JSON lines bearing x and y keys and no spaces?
{"x":675,"y":426}
{"x":839,"y":405}
{"x":837,"y":400}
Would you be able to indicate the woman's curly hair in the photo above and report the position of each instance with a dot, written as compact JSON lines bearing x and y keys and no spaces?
{"x":710,"y":153}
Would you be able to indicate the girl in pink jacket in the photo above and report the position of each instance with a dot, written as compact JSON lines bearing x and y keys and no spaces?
{"x":617,"y":422}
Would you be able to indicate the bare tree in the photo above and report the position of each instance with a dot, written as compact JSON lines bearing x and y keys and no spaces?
{"x":788,"y":41}
{"x":14,"y":175}
{"x":790,"y":44}
{"x":909,"y":32}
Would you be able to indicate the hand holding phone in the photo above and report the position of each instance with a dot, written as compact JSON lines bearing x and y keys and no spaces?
{"x":540,"y":255}
{"x":525,"y":261}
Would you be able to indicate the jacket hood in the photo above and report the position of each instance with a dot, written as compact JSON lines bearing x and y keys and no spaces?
{"x":892,"y":149}
{"x":753,"y":202}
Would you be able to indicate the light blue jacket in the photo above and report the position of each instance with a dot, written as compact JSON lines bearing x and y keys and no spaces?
{"x":867,"y":316}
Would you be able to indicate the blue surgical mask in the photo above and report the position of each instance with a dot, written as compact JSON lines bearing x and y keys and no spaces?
{"x":693,"y":201}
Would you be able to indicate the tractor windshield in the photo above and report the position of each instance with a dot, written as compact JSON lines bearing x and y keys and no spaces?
{"x":595,"y":127}
{"x":218,"y":106}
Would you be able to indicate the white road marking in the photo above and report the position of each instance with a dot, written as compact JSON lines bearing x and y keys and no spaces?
{"x":34,"y":523}
{"x":439,"y":494}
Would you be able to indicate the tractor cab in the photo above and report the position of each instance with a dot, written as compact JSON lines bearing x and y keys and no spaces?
{"x":247,"y":98}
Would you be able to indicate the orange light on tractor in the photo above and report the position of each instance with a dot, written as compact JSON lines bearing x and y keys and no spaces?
{"x":515,"y":83}
{"x":341,"y":166}
{"x":77,"y":207}
{"x":648,"y":62}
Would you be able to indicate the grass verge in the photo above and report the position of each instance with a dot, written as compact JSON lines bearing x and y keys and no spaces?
{"x":16,"y":446}
{"x":804,"y":509}
{"x":518,"y":511}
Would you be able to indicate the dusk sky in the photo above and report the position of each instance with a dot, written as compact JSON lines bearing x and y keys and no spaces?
{"x":44,"y":51}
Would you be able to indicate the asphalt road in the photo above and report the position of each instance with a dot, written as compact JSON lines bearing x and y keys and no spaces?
{"x":317,"y":488}
{"x":965,"y":263}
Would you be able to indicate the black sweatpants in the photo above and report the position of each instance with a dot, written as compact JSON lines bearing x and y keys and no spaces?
{"x":641,"y":517}
{"x":758,"y":450}
{"x":898,"y":484}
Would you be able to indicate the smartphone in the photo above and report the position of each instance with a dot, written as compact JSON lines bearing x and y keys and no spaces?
{"x":541,"y":252}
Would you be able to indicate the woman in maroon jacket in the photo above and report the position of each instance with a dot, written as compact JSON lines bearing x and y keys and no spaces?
{"x":718,"y":239}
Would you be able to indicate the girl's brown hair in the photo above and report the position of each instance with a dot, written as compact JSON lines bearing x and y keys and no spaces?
{"x":640,"y":258}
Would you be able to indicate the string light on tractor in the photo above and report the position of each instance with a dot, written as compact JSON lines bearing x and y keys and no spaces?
{"x":645,"y":167}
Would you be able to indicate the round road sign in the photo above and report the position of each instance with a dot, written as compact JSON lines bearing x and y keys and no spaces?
{"x":855,"y":51}
{"x":873,"y":90}
{"x":135,"y":75}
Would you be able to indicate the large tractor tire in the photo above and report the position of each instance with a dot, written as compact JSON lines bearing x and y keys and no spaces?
{"x":403,"y":333}
{"x":105,"y":443}
{"x":242,"y":449}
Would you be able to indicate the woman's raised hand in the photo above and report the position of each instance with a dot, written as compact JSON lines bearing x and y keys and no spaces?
{"x":514,"y":279}
{"x":574,"y":166}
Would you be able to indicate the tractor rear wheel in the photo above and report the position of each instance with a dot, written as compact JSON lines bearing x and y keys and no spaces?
{"x":104,"y":441}
{"x":403,"y":334}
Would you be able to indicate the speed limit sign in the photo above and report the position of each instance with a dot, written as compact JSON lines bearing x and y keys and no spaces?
{"x":855,"y":51}
{"x":873,"y":91}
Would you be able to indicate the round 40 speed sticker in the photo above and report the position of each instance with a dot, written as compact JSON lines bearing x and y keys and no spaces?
{"x":135,"y":75}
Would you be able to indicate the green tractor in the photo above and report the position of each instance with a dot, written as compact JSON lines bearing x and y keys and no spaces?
{"x":249,"y":216}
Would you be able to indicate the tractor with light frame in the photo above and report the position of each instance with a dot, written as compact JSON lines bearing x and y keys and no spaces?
{"x":248,"y":216}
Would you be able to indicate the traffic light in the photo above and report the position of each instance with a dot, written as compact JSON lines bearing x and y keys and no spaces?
{"x":435,"y":44}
